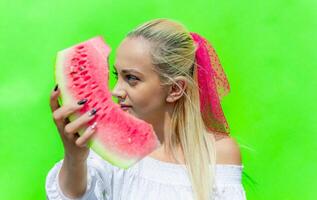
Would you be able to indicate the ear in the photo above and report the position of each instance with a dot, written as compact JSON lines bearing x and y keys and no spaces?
{"x":176,"y":90}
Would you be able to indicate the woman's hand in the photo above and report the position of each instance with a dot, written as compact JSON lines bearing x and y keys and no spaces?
{"x":75,"y":146}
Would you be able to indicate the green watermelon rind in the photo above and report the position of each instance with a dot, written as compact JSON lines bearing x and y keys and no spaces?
{"x":60,"y":101}
{"x":110,"y":157}
{"x":63,"y":98}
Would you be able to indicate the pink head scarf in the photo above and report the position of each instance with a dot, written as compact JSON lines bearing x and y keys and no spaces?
{"x":213,"y":85}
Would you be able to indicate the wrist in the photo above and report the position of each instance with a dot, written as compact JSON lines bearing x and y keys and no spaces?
{"x":73,"y":161}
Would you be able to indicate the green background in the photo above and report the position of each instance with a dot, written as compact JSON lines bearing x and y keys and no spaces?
{"x":267,"y":49}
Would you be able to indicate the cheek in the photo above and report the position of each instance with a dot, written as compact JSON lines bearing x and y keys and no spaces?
{"x":148,"y":100}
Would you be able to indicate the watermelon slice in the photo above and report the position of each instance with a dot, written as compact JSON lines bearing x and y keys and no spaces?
{"x":81,"y":71}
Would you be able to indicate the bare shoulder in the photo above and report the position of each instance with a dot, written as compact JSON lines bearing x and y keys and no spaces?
{"x":228,"y":151}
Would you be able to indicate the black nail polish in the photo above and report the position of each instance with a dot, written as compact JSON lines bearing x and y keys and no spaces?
{"x":92,"y":112}
{"x":56,"y":87}
{"x":81,"y":102}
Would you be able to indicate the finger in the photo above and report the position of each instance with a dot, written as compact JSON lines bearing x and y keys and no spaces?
{"x":76,"y":125}
{"x":54,"y":99}
{"x":83,"y":140}
{"x":63,"y":112}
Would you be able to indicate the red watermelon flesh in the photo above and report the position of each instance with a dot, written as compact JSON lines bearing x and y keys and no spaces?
{"x":81,"y":71}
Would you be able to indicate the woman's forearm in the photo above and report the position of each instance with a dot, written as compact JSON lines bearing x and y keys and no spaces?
{"x":73,"y":178}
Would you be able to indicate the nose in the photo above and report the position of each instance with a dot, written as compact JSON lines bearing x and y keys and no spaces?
{"x":119,"y":93}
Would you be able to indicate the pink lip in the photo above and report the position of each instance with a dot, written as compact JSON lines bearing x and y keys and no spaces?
{"x":125,"y":107}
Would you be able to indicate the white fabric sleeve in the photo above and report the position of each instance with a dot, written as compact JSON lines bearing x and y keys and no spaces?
{"x":229,"y":192}
{"x":229,"y":183}
{"x":99,"y":178}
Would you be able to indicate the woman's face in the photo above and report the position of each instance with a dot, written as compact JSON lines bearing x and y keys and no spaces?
{"x":138,"y":85}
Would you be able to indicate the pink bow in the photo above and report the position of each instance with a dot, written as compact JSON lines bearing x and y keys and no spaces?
{"x":213,"y":85}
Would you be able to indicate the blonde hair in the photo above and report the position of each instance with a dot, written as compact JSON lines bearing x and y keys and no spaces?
{"x":173,"y":54}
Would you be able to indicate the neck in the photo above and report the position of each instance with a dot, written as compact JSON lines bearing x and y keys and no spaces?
{"x":162,"y":125}
{"x":162,"y":128}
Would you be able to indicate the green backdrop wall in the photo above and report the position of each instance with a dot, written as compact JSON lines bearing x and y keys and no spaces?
{"x":267,"y":49}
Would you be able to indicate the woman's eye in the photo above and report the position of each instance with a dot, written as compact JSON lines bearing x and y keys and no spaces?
{"x":133,"y":78}
{"x":128,"y":77}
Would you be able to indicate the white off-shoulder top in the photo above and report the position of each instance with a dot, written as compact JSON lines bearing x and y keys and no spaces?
{"x":149,"y":179}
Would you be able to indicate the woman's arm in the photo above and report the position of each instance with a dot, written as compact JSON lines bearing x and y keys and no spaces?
{"x":99,"y":175}
{"x":73,"y":178}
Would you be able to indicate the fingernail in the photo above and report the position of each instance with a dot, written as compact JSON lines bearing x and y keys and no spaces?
{"x":81,"y":102}
{"x":56,"y":87}
{"x":92,"y":112}
{"x":93,"y":126}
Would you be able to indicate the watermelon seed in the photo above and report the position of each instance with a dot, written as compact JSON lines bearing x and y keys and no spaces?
{"x":81,"y":62}
{"x":94,"y":104}
{"x":94,"y":87}
{"x":80,"y":47}
{"x":75,"y":59}
{"x":102,"y":116}
{"x":79,"y":51}
{"x":83,"y":73}
{"x":87,"y":95}
{"x":83,"y":85}
{"x":81,"y":68}
{"x":87,"y":78}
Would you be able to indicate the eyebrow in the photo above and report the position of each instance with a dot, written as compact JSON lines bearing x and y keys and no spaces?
{"x":127,"y":70}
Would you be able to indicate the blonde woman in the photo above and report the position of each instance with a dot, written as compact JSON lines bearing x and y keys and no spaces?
{"x":170,"y":78}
